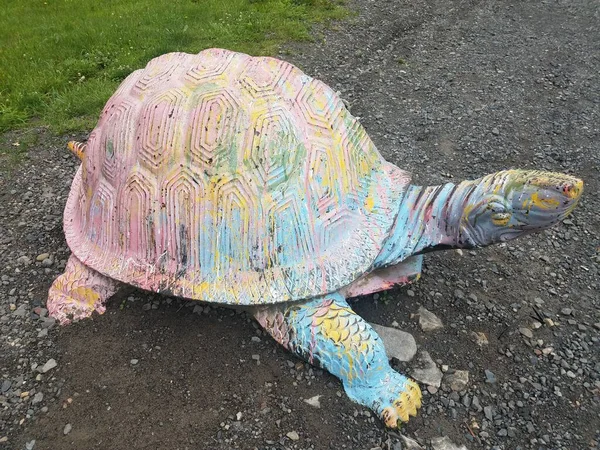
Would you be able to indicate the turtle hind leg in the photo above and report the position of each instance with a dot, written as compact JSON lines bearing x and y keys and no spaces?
{"x":78,"y":292}
{"x":326,"y":332}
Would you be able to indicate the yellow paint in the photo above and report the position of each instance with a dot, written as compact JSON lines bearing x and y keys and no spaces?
{"x":544,"y":203}
{"x":332,"y":328}
{"x":335,"y":326}
{"x":197,"y":288}
{"x":403,"y":407}
{"x":202,"y":287}
{"x":363,"y":168}
{"x":577,"y":190}
{"x":320,"y":103}
{"x":500,"y":219}
{"x":87,"y":295}
{"x":77,"y":148}
{"x":467,"y":212}
{"x":370,"y":203}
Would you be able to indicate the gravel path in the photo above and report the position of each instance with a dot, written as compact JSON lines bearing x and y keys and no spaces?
{"x":446,"y":89}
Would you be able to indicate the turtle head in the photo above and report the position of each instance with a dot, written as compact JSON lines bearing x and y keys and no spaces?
{"x":508,"y":204}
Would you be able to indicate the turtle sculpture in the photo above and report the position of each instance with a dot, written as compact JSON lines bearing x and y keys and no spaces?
{"x":242,"y":181}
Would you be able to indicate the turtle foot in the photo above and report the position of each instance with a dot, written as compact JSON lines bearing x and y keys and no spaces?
{"x":394,"y":398}
{"x":65,"y":308}
{"x":78,"y":292}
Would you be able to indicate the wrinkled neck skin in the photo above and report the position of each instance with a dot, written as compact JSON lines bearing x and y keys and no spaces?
{"x":429,"y":219}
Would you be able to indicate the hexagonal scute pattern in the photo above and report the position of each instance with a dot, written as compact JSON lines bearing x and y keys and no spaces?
{"x":272,"y":150}
{"x":213,"y":124}
{"x":231,"y":179}
{"x":159,"y":127}
{"x":116,"y":138}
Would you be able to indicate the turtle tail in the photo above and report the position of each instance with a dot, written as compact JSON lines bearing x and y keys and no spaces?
{"x":77,"y":148}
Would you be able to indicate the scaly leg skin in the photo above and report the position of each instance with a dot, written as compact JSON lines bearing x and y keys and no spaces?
{"x":78,"y":292}
{"x":327,"y":333}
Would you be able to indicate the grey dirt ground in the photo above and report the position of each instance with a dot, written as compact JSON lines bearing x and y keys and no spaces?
{"x":447,"y":89}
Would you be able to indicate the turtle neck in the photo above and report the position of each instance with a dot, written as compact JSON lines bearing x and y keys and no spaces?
{"x":428,"y":219}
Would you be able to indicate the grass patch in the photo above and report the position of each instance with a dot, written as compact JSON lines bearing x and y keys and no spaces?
{"x":60,"y":60}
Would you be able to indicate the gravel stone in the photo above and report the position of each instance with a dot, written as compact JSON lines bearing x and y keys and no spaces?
{"x":50,"y":364}
{"x":313,"y":401}
{"x":489,"y":412}
{"x":23,"y":260}
{"x":398,"y":344}
{"x":490,"y":377}
{"x":480,"y":338}
{"x":6,"y":384}
{"x":410,"y":444}
{"x":428,"y":320}
{"x":37,"y":398}
{"x":458,"y":380}
{"x":293,"y":435}
{"x":47,"y":262}
{"x":526,"y":332}
{"x":426,"y":371}
{"x":444,"y":443}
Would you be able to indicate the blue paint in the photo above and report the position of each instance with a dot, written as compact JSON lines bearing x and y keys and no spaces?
{"x":417,"y":225}
{"x":358,"y":359}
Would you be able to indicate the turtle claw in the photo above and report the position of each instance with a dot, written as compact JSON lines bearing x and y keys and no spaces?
{"x":404,"y":407}
{"x":395,"y":400}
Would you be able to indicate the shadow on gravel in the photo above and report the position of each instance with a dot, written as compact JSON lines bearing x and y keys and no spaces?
{"x":170,"y":378}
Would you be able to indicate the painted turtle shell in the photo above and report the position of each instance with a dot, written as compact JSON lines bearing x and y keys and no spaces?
{"x":232,"y":179}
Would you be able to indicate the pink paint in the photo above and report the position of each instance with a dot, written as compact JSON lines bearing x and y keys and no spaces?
{"x":203,"y":155}
{"x":386,"y":278}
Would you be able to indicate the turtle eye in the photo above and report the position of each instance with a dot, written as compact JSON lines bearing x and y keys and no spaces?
{"x":500,"y":219}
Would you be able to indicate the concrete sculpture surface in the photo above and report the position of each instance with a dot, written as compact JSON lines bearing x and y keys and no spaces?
{"x":242,"y":181}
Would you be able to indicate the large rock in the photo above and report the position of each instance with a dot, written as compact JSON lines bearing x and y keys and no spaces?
{"x":428,"y":320}
{"x":426,"y":370}
{"x":398,"y":344}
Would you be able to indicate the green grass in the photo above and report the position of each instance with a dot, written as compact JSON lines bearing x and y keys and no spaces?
{"x":60,"y":60}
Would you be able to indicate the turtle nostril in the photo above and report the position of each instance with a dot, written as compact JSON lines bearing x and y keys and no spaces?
{"x":573,"y":190}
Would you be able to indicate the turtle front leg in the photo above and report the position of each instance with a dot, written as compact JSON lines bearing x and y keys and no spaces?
{"x":327,"y":333}
{"x":78,"y":292}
